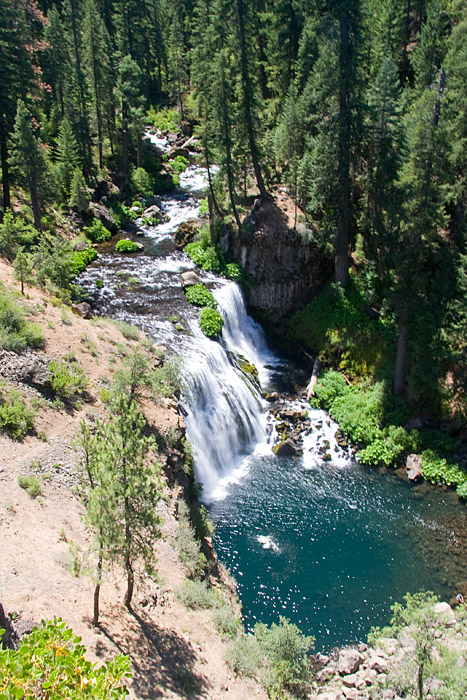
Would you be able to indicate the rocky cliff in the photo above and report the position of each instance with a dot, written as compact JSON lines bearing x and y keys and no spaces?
{"x":286,"y":267}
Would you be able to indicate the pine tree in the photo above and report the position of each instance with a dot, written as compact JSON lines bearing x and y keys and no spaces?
{"x":67,"y":158}
{"x":98,"y":70}
{"x":128,"y":94}
{"x":16,"y":78}
{"x":79,"y":195}
{"x":124,"y":489}
{"x":23,"y":268}
{"x":28,"y":159}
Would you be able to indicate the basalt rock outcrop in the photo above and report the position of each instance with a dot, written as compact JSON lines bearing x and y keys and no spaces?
{"x":287,"y":268}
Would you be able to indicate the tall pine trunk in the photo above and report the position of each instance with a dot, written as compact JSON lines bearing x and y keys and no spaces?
{"x":247,"y":98}
{"x":5,"y":166}
{"x":97,"y":590}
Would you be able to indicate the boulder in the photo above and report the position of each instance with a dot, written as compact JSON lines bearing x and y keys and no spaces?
{"x":286,"y":448}
{"x":83,"y":309}
{"x":100,"y":212}
{"x":350,"y":693}
{"x":351,"y":680}
{"x":190,"y":278}
{"x":80,"y":245}
{"x":414,"y":467}
{"x":154,"y":212}
{"x":185,"y":233}
{"x":349,"y":662}
{"x":378,"y":664}
{"x":445,"y":614}
{"x":325,"y":674}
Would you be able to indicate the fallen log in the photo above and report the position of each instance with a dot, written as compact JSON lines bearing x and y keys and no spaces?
{"x":310,"y":390}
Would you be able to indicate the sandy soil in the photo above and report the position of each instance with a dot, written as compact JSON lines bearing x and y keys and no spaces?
{"x":175,"y":653}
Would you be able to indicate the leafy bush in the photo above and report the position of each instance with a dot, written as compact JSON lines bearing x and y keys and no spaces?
{"x":234,"y":272}
{"x":196,"y":594}
{"x":245,"y":656}
{"x":437,"y":470}
{"x":211,"y":322}
{"x":179,"y":164}
{"x":166,"y":119}
{"x":31,"y":484}
{"x":67,"y":380}
{"x":187,"y":544}
{"x":227,"y":621}
{"x":15,"y":332}
{"x":97,"y":232}
{"x":16,"y":418}
{"x":195,"y":251}
{"x":128,"y":331}
{"x":203,"y":207}
{"x":201,"y":296}
{"x":142,"y":182}
{"x":80,"y":259}
{"x":286,"y":648}
{"x":334,"y":326}
{"x":126,"y":246}
{"x":51,"y":663}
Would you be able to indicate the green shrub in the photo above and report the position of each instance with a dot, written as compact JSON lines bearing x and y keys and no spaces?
{"x":15,"y":332}
{"x":234,"y":272}
{"x":213,"y":259}
{"x":227,"y":621}
{"x":99,"y":284}
{"x":196,"y":594}
{"x":201,"y":296}
{"x":245,"y":656}
{"x":51,"y":663}
{"x":128,"y":331}
{"x":80,"y":259}
{"x":286,"y":649}
{"x":97,"y":232}
{"x":187,"y":544}
{"x":437,"y":470}
{"x":31,"y":484}
{"x":166,"y":379}
{"x":67,"y":379}
{"x":211,"y":322}
{"x":142,"y":182}
{"x":195,"y":251}
{"x":16,"y":418}
{"x":179,"y":164}
{"x":165,"y":119}
{"x":203,"y":207}
{"x":126,"y":246}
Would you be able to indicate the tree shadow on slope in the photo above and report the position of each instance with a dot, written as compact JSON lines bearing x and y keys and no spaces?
{"x":162,"y":660}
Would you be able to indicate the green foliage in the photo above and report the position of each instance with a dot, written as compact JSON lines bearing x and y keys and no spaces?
{"x":97,"y":232}
{"x":203,"y":207}
{"x":166,"y":379}
{"x":245,"y":656}
{"x":16,"y":417}
{"x":31,"y":484}
{"x":142,"y":183}
{"x":179,"y":164}
{"x":166,"y":119}
{"x":80,"y":259}
{"x":439,"y":471}
{"x":196,"y":594}
{"x":201,"y":296}
{"x":15,"y":232}
{"x":51,"y":663}
{"x":79,"y":194}
{"x":361,"y":414}
{"x":128,"y":331}
{"x":187,"y":544}
{"x":334,"y":326}
{"x":211,"y":323}
{"x":234,"y":272}
{"x":126,"y":246}
{"x":195,"y":251}
{"x":67,"y":379}
{"x":15,"y":332}
{"x":227,"y":621}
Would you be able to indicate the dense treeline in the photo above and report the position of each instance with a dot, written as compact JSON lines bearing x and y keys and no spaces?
{"x":358,"y":106}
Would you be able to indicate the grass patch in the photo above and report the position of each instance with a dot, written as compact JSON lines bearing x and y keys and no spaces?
{"x":128,"y":331}
{"x":15,"y":332}
{"x":16,"y":417}
{"x":227,"y":621}
{"x":196,"y":595}
{"x":31,"y":484}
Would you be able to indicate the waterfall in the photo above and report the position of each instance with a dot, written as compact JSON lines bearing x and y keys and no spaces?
{"x":225,"y":415}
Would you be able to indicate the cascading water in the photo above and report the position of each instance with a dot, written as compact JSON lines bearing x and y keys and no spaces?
{"x":226,"y":419}
{"x":320,"y":539}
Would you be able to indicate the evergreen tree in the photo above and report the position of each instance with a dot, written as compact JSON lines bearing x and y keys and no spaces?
{"x":79,"y":195}
{"x":128,"y":94}
{"x":16,"y":78}
{"x":28,"y":159}
{"x":22,"y":266}
{"x":98,"y":70}
{"x":57,"y":65}
{"x":67,"y":158}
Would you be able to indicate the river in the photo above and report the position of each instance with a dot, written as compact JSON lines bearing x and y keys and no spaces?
{"x":330,"y":545}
